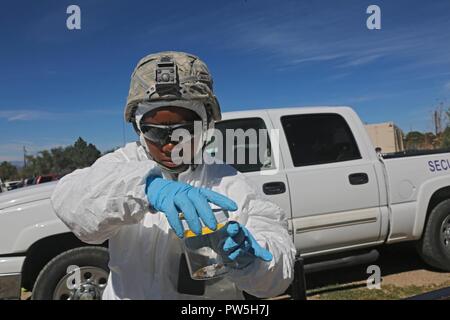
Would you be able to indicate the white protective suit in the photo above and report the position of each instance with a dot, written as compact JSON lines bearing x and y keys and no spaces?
{"x":108,"y":201}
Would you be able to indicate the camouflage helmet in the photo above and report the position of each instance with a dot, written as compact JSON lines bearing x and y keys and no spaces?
{"x":171,"y":75}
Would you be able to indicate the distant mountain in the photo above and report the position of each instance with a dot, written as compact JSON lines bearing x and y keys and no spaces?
{"x":17,"y":164}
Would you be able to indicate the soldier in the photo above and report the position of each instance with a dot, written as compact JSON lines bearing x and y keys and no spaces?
{"x":133,"y":197}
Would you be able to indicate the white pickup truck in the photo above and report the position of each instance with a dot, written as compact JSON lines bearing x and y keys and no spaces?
{"x":339,"y":194}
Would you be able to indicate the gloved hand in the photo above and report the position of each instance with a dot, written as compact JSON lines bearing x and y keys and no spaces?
{"x":172,"y":197}
{"x":240,"y":247}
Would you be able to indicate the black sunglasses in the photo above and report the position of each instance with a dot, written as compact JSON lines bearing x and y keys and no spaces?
{"x":162,"y":134}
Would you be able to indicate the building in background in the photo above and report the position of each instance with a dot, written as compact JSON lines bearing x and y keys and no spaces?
{"x":386,"y":136}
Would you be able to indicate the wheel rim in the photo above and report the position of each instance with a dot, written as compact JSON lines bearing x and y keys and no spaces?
{"x":92,"y":282}
{"x":445,"y":233}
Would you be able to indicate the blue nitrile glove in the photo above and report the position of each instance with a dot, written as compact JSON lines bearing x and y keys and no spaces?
{"x":171,"y":197}
{"x":241,"y":247}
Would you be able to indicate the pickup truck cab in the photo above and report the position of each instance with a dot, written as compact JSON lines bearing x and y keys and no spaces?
{"x":320,"y":166}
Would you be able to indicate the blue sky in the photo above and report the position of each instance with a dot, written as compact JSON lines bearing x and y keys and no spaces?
{"x":56,"y":84}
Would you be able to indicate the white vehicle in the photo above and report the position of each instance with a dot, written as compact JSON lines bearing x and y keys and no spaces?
{"x":12,"y":185}
{"x":340,"y":195}
{"x":2,"y":186}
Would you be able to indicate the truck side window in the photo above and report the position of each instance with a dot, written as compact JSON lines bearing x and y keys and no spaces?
{"x":248,"y":147}
{"x":319,"y":138}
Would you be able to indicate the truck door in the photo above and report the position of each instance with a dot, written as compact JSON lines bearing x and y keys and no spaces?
{"x":333,"y":189}
{"x":266,"y":175}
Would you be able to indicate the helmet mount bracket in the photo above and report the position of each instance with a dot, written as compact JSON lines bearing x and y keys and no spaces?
{"x":166,"y":76}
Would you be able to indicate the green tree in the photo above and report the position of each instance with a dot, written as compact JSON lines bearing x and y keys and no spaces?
{"x":83,"y":154}
{"x":431,"y":141}
{"x":61,"y":160}
{"x":414,"y":140}
{"x":445,"y":143}
{"x":8,"y":171}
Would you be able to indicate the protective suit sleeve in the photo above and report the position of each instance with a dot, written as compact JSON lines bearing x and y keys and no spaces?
{"x":268,"y":224}
{"x":95,"y":202}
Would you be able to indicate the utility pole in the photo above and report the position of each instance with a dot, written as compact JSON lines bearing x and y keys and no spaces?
{"x":438,"y":118}
{"x":24,"y":157}
{"x":437,"y":122}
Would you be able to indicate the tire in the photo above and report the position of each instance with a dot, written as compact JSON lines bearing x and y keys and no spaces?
{"x":53,"y":278}
{"x":432,"y":247}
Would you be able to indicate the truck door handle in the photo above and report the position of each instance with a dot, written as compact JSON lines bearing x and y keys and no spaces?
{"x":274,"y":187}
{"x":358,"y":178}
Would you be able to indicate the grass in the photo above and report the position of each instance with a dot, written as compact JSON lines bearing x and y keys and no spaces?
{"x":361,"y":292}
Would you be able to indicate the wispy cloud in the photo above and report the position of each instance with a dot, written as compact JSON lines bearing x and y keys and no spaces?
{"x":14,"y":151}
{"x":299,"y":34}
{"x":365,"y":97}
{"x":9,"y":158}
{"x":27,"y":115}
{"x":359,"y":61}
{"x":32,"y":115}
{"x":317,"y":58}
{"x":339,"y":76}
{"x":447,"y":86}
{"x":302,"y":33}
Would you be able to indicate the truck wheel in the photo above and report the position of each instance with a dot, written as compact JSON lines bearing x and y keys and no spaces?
{"x":77,"y":274}
{"x":434,"y":247}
